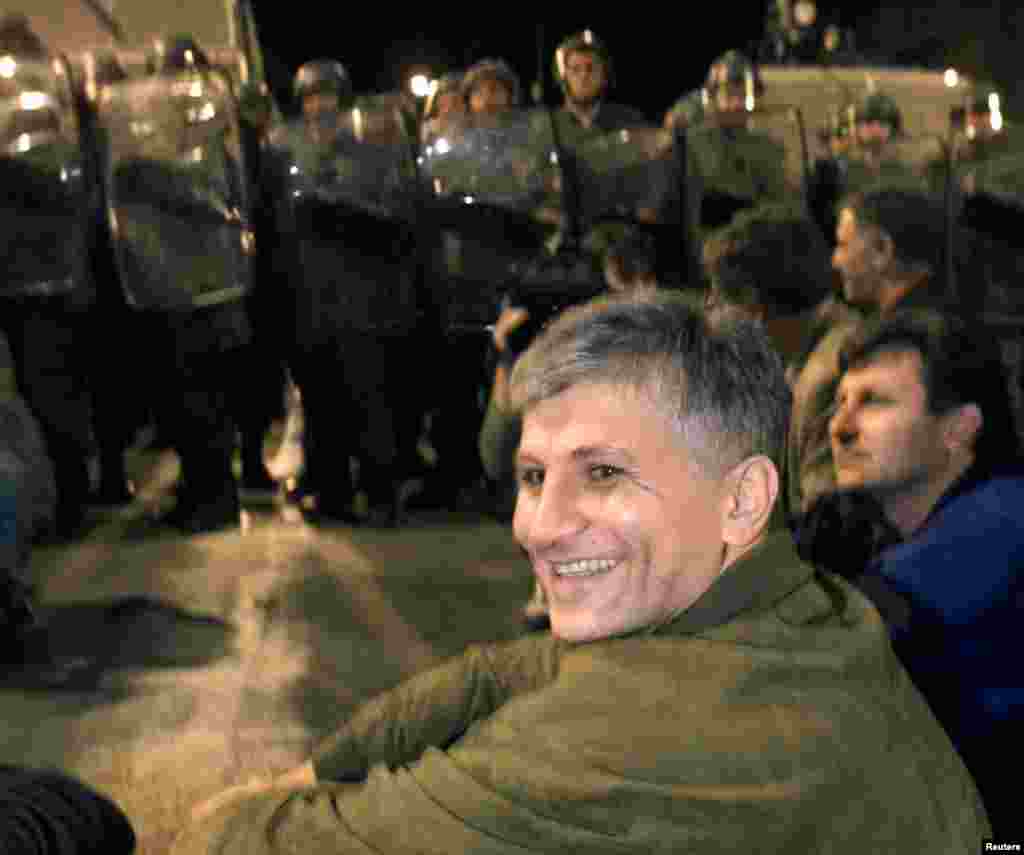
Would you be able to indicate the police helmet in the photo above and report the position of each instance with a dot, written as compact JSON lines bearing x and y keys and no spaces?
{"x":496,"y":68}
{"x":178,"y":53}
{"x":582,"y":42}
{"x":734,"y":69}
{"x":449,"y":82}
{"x":323,"y":75}
{"x":881,"y":108}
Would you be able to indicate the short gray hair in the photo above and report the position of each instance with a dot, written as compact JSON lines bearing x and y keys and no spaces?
{"x":719,"y":382}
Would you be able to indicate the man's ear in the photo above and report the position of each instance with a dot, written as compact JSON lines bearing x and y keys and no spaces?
{"x":751,"y":490}
{"x":963,"y":424}
{"x":885,"y":249}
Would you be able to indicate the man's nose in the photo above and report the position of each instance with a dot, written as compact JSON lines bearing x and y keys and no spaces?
{"x":842,"y":426}
{"x":549,"y":516}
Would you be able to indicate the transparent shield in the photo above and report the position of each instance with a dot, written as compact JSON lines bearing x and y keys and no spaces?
{"x":176,"y":193}
{"x":44,"y":206}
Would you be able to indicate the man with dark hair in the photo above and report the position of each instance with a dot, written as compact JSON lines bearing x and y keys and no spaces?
{"x":922,"y":423}
{"x":701,"y":688}
{"x":772,"y":264}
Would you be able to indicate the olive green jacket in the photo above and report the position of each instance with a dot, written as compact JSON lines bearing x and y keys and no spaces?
{"x":771,"y":716}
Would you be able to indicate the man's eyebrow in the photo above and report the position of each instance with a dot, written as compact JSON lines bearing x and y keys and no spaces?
{"x":584,"y":452}
{"x":587,"y":452}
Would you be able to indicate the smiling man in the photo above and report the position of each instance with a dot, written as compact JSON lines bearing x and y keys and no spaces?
{"x":701,"y":690}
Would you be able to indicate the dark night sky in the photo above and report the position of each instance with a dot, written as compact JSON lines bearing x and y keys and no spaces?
{"x":658,"y":57}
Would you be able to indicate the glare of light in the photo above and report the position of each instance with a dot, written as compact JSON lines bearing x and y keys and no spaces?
{"x":996,"y":120}
{"x":553,"y":157}
{"x":196,"y":89}
{"x":293,"y":170}
{"x":951,"y":78}
{"x":33,"y":100}
{"x":442,"y":146}
{"x":23,"y":143}
{"x":196,"y":155}
{"x":748,"y":103}
{"x":357,"y":123}
{"x":469,"y":200}
{"x":588,"y":37}
{"x":420,"y":85}
{"x":190,"y":58}
{"x":8,"y":66}
{"x":993,"y":102}
{"x":207,"y":112}
{"x":64,"y":176}
{"x":624,"y":135}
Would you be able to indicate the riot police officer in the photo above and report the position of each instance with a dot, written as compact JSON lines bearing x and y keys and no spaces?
{"x":584,"y":72}
{"x":490,"y":87}
{"x":736,"y":165}
{"x":350,"y":291}
{"x":46,"y":288}
{"x":194,"y":348}
{"x":863,"y":142}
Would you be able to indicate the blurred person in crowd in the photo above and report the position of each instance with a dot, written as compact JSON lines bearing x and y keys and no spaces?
{"x":890,"y":253}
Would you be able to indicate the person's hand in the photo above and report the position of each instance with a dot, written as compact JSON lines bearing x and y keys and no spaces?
{"x":510,"y":319}
{"x":253,"y":787}
{"x":295,"y":779}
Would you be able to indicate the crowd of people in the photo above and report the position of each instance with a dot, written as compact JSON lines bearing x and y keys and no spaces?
{"x":771,"y":512}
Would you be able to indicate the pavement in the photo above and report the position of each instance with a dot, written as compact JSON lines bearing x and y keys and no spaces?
{"x":168,"y":667}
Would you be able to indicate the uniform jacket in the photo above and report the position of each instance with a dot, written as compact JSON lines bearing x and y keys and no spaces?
{"x":770,"y":716}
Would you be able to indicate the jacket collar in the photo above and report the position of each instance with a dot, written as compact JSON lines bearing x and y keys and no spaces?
{"x":762,"y":577}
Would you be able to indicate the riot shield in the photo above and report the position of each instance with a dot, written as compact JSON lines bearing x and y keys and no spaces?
{"x":492,"y":192}
{"x":176,"y":191}
{"x":345,"y":192}
{"x":47,"y":195}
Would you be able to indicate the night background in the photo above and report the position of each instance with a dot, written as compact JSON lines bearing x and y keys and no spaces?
{"x":659,"y":55}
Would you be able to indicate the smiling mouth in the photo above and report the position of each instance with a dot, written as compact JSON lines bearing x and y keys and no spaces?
{"x":586,"y":567}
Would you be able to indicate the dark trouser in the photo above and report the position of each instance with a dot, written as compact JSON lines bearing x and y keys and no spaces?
{"x":45,"y":342}
{"x":195,"y":356}
{"x":461,"y":372}
{"x":352,"y":397}
{"x":118,"y":383}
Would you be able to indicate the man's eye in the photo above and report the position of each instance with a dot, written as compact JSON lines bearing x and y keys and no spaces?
{"x":603,"y":472}
{"x":531,"y":477}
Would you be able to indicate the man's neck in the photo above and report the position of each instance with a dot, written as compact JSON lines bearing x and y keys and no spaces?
{"x":586,"y":114}
{"x":895,"y":290}
{"x":908,"y":511}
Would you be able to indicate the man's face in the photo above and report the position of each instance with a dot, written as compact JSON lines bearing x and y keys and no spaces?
{"x":873,"y":133}
{"x":317,"y":105}
{"x":622,"y":529}
{"x":731,"y":105}
{"x":451,"y":104}
{"x":490,"y":95}
{"x":884,"y":437}
{"x":585,"y":76}
{"x":857,"y":258}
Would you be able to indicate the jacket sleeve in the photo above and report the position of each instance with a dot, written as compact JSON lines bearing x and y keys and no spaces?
{"x":435,"y":708}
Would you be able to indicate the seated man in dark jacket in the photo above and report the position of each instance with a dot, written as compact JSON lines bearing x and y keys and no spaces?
{"x":701,"y":689}
{"x":923,"y":424}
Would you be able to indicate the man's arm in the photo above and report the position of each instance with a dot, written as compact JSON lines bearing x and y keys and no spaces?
{"x":435,"y":708}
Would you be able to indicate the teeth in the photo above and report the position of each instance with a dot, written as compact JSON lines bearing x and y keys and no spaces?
{"x":587,"y":567}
